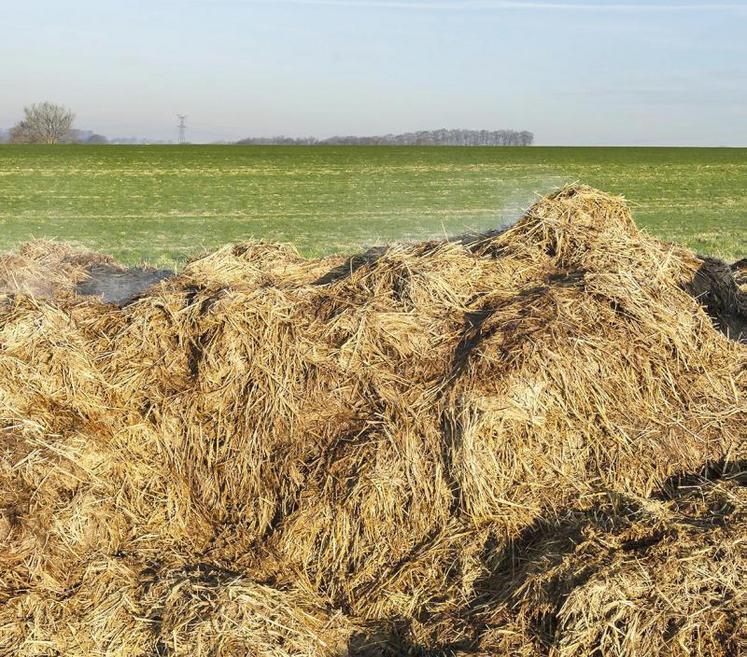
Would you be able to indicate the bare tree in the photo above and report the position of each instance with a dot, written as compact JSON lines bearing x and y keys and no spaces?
{"x":43,"y":123}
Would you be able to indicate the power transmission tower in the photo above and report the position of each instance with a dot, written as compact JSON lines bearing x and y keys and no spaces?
{"x":182,"y":128}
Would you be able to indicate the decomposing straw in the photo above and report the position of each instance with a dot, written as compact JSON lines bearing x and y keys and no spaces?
{"x":531,"y":443}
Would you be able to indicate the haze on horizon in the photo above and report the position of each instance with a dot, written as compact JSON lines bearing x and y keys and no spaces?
{"x":574,"y":73}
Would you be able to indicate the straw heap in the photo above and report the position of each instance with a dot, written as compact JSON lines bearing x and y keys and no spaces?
{"x":530,"y":443}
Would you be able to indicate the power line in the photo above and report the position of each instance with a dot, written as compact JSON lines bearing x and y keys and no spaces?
{"x":182,"y":128}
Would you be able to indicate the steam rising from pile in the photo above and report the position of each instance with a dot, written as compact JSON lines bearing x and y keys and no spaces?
{"x":498,"y":446}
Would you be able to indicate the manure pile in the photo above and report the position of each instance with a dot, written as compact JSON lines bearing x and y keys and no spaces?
{"x":531,"y":443}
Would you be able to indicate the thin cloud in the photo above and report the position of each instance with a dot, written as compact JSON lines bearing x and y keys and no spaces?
{"x":508,"y":5}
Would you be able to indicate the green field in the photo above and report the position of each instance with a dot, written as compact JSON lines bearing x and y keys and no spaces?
{"x":164,"y":203}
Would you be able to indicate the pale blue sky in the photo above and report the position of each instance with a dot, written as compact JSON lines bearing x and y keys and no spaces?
{"x":583,"y":72}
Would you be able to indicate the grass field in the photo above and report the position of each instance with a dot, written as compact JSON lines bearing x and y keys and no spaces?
{"x":164,"y":203}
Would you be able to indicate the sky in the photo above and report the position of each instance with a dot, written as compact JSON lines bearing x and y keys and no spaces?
{"x":574,"y":73}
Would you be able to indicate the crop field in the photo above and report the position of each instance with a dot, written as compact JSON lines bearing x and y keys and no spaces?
{"x":162,"y":204}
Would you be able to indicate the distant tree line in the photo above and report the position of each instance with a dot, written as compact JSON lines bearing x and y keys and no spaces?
{"x":83,"y":137}
{"x":421,"y":138}
{"x":139,"y":141}
{"x":48,"y":123}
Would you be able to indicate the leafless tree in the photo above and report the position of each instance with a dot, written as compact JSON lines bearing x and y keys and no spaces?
{"x":43,"y":123}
